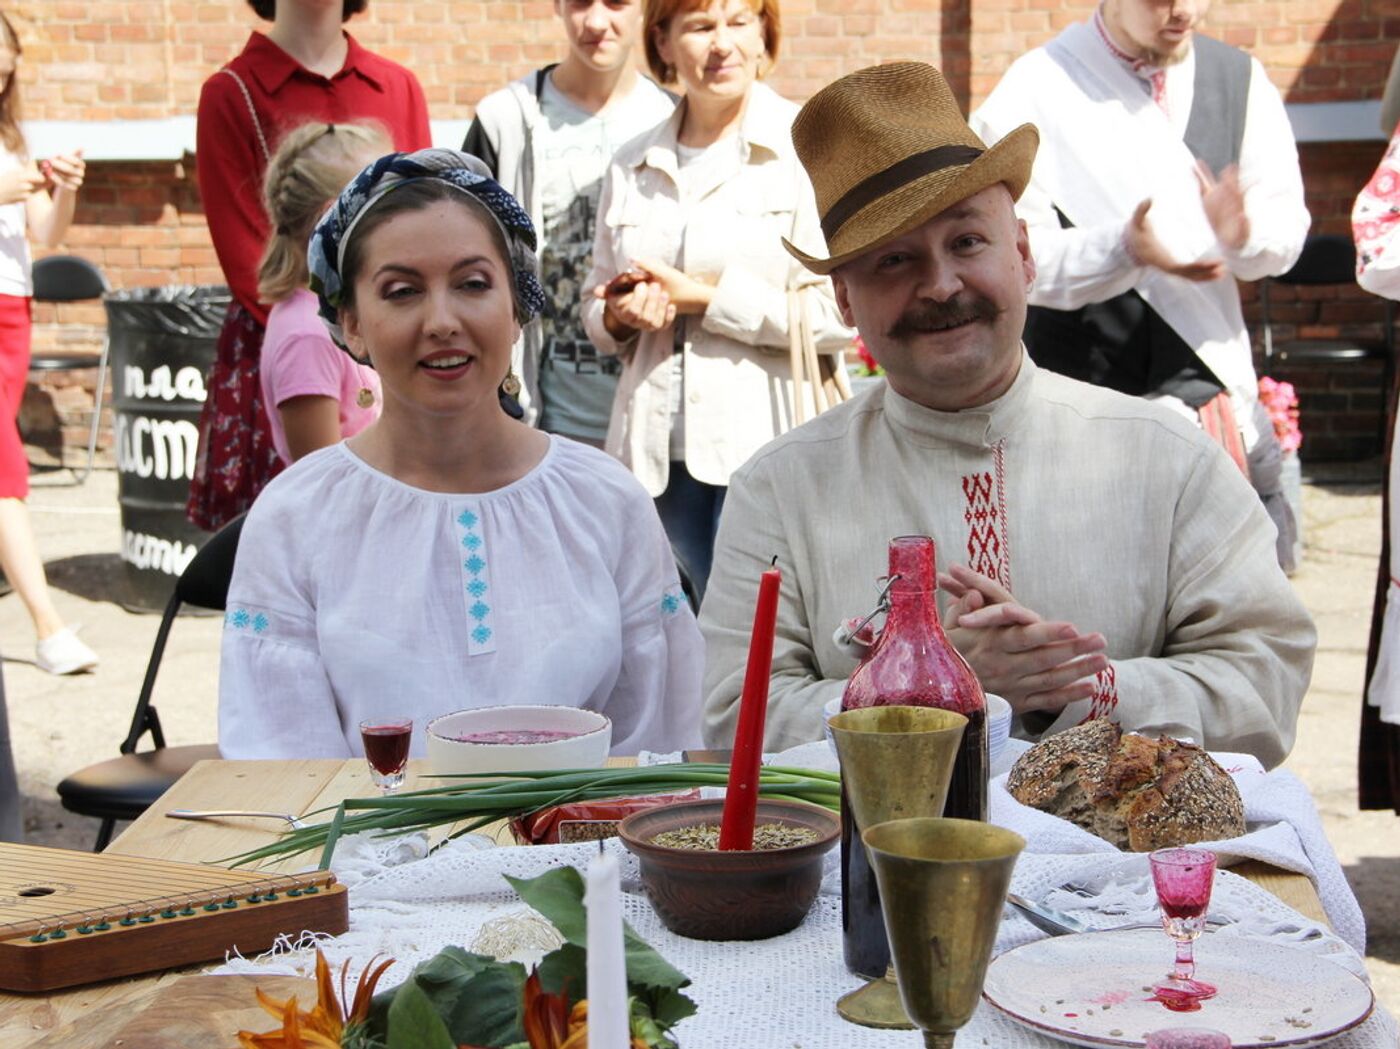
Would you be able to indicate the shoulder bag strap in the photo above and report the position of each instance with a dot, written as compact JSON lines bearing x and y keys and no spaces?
{"x":252,"y":113}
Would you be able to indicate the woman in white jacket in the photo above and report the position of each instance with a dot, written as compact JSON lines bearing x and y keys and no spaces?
{"x":689,"y":273}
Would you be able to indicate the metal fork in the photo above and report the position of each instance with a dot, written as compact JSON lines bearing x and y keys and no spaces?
{"x":212,"y":814}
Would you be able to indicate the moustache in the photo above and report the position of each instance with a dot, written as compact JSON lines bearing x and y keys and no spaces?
{"x":929,"y":316}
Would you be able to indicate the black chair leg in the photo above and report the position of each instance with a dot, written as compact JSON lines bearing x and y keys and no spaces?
{"x":104,"y":835}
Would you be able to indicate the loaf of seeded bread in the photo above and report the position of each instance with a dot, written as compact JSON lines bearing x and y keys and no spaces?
{"x":1136,"y":792}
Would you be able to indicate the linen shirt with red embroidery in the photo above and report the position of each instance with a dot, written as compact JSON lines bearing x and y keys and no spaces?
{"x":285,"y":94}
{"x":1096,"y":508}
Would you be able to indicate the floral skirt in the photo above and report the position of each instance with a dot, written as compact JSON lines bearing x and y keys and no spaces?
{"x":236,"y":455}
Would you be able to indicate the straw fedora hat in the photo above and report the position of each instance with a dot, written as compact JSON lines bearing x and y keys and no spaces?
{"x":887,"y":149}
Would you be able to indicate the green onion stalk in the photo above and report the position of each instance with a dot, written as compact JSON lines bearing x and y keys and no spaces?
{"x":477,"y":800}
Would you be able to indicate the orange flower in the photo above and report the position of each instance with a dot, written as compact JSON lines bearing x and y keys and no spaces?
{"x":327,"y":1023}
{"x":549,"y":1022}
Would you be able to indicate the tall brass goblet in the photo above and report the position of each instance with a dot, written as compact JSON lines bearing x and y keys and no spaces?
{"x":896,"y":762}
{"x":942,"y":886}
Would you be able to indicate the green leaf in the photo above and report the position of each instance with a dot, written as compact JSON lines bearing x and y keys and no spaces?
{"x":414,"y":1023}
{"x":565,"y":969}
{"x":558,"y":895}
{"x":478,"y":998}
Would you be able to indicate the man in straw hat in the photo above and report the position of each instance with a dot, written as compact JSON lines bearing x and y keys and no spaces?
{"x":1167,"y":169}
{"x":1107,"y":558}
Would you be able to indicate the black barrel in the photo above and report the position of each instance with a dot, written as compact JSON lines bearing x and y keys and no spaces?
{"x":162,"y":344}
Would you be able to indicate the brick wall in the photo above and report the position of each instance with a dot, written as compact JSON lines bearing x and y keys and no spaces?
{"x":144,"y":59}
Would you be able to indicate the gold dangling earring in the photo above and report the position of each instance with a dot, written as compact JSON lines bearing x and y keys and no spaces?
{"x":510,"y":385}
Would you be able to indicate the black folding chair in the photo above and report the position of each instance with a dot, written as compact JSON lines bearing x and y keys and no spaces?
{"x":68,"y":278}
{"x":124,"y":787}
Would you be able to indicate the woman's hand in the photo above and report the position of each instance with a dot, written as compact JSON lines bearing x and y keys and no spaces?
{"x":688,"y":294}
{"x":66,"y":170}
{"x":643,"y":307}
{"x":20,"y":184}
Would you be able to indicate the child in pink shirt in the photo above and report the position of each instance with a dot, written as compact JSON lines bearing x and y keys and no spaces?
{"x":316,"y":392}
{"x":301,"y":362}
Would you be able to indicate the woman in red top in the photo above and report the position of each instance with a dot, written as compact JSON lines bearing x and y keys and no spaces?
{"x":305,"y":68}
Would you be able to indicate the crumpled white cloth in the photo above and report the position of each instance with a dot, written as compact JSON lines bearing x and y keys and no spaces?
{"x":780,"y":992}
{"x":1283,"y":829}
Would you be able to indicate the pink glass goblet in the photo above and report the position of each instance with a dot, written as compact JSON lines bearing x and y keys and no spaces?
{"x":1187,"y":1038}
{"x":1183,"y":879}
{"x":386,"y":743}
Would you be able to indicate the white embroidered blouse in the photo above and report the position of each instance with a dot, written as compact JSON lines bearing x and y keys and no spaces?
{"x":356,"y":596}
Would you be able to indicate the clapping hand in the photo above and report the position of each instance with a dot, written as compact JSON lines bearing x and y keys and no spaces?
{"x":1142,"y":244}
{"x":66,"y":170}
{"x":1223,"y":200}
{"x":629,"y":308}
{"x":688,"y":294}
{"x":1031,"y":663}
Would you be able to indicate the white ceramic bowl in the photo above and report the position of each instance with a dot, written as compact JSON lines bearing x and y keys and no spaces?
{"x":586,"y":750}
{"x":998,"y":730}
{"x":830,"y":709}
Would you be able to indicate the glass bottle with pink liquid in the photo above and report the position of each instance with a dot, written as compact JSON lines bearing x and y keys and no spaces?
{"x":912,"y":663}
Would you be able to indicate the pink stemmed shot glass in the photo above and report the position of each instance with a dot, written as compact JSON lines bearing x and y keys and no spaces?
{"x":386,"y":749}
{"x":1183,"y":879}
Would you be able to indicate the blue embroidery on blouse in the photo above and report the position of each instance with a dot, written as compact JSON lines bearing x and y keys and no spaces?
{"x":477,"y":581}
{"x":671,"y":602}
{"x":242,"y":619}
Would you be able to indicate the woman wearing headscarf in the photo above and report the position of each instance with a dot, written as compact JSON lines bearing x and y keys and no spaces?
{"x":448,"y":556}
{"x":691,"y":224}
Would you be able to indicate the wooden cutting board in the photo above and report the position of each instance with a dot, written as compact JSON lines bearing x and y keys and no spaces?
{"x":204,"y":1011}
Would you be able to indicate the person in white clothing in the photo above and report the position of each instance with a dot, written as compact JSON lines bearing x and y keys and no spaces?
{"x":448,"y":556}
{"x":1167,"y":172}
{"x":1105,"y":558}
{"x":548,"y":138}
{"x":1375,"y":226}
{"x":35,"y":198}
{"x":689,"y":288}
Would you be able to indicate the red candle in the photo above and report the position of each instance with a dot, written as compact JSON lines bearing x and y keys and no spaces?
{"x":741,"y":799}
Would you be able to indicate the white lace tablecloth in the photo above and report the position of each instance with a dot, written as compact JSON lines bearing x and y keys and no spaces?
{"x":781,"y":993}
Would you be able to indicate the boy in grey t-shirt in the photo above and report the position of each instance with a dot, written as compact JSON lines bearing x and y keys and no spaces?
{"x":549,"y":137}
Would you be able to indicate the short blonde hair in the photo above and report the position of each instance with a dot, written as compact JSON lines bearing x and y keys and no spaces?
{"x":310,"y":168}
{"x":659,"y":13}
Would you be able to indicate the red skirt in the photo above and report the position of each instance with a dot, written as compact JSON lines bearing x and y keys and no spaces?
{"x":236,"y":455}
{"x":14,"y":374}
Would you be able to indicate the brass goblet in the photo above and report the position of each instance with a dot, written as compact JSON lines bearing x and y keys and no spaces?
{"x":896,"y":762}
{"x":942,"y":886}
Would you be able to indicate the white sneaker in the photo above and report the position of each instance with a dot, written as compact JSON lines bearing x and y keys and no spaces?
{"x":63,"y":653}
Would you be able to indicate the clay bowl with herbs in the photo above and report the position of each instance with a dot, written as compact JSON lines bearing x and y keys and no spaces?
{"x":701,"y":892}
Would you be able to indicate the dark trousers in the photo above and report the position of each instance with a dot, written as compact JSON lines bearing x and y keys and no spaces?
{"x":689,"y":511}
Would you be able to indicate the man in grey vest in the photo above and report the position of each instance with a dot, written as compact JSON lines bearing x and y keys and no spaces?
{"x":1167,"y":171}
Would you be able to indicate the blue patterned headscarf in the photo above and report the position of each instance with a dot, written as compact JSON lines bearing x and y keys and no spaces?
{"x":326,"y":252}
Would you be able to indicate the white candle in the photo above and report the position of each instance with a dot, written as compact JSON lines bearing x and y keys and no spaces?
{"x":608,"y":1026}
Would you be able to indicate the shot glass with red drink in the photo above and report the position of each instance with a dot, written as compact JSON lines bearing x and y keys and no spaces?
{"x":386,"y":749}
{"x":1183,"y":879}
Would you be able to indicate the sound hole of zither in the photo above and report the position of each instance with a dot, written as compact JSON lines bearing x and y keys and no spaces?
{"x":38,"y":890}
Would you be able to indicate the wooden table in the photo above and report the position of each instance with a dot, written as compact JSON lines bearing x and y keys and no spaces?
{"x":295,"y":787}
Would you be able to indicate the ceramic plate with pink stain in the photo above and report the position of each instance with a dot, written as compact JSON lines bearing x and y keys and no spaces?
{"x":1095,"y":989}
